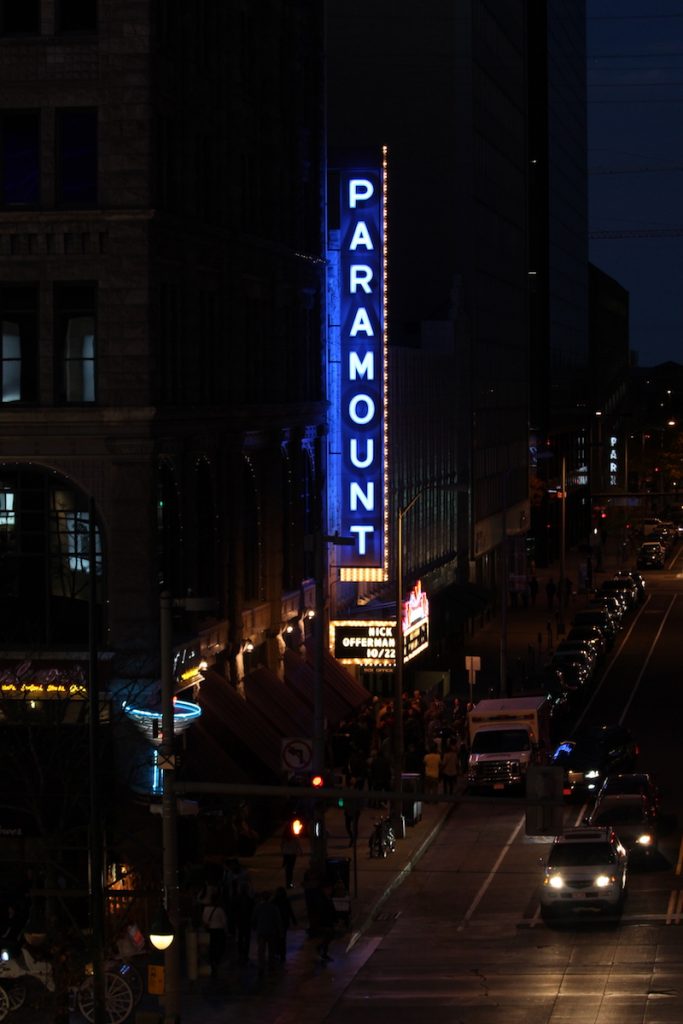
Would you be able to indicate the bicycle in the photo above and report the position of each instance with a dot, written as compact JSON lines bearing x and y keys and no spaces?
{"x":16,"y":967}
{"x":382,"y":839}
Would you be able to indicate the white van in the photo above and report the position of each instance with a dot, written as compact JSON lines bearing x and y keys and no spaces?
{"x":650,"y":525}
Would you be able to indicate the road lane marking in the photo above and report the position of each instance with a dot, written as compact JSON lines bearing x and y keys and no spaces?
{"x":492,"y":873}
{"x":646,"y":662}
{"x":679,"y":862}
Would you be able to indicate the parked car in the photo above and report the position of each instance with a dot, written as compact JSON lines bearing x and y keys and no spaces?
{"x":575,"y":669}
{"x":634,"y":819}
{"x":594,"y":754}
{"x":597,"y":617}
{"x":614,"y":606}
{"x":621,"y":587}
{"x":650,"y":556}
{"x":636,"y":579}
{"x":582,"y":649}
{"x":591,"y":635}
{"x":586,"y":870}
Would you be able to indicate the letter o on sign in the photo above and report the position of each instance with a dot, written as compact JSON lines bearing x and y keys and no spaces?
{"x":369,"y":409}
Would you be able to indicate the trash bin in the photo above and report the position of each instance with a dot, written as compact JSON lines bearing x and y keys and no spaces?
{"x":337,"y":869}
{"x":411,"y":784}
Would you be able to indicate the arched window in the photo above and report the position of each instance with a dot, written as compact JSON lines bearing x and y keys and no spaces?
{"x":45,"y":559}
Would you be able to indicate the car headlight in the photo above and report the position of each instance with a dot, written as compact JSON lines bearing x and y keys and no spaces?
{"x":591,"y":774}
{"x":602,"y":881}
{"x":555,"y":881}
{"x":645,"y":839}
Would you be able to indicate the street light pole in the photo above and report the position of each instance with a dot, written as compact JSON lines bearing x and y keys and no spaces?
{"x":563,"y":537}
{"x":398,"y":744}
{"x":95,"y":845}
{"x":168,"y":817}
{"x":504,"y":586}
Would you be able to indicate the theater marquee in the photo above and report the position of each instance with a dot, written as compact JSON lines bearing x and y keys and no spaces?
{"x":372,"y":642}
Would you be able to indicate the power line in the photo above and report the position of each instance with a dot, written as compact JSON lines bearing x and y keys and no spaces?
{"x":638,"y":232}
{"x":635,"y":169}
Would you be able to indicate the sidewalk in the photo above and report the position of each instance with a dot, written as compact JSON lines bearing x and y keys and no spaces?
{"x":304,"y":990}
{"x":532,"y":632}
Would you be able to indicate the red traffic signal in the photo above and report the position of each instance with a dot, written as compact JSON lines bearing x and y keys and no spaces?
{"x":317,"y":781}
{"x":296,"y":826}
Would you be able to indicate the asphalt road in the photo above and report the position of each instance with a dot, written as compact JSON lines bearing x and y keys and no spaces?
{"x":462,"y":940}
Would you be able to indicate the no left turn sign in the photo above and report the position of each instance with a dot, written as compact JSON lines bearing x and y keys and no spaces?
{"x":297,"y":754}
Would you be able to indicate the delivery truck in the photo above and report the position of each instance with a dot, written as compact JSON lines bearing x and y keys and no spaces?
{"x":505,"y":736}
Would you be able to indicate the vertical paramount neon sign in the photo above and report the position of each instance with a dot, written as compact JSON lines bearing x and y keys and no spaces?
{"x":360,"y":267}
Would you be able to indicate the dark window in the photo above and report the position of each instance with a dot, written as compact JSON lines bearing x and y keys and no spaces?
{"x":77,"y":157}
{"x":75,"y":335}
{"x":18,"y":343}
{"x":19,"y":17}
{"x":77,"y":16}
{"x":20,"y":157}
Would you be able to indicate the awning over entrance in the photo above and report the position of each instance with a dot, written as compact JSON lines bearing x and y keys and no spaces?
{"x":341,"y":693}
{"x":278,"y":703}
{"x":237,"y":726}
{"x":239,"y":739}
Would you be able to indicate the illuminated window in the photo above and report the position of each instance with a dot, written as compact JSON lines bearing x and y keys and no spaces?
{"x":7,"y":520}
{"x":76,"y":527}
{"x":75,"y":327}
{"x":18,"y":323}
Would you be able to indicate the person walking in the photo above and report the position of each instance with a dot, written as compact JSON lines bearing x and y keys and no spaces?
{"x":284,"y":905}
{"x":291,"y":849}
{"x":215,"y":921}
{"x":327,"y":919}
{"x":450,"y":763}
{"x":550,"y":591}
{"x":244,"y":911}
{"x":267,"y":924}
{"x":432,"y":771}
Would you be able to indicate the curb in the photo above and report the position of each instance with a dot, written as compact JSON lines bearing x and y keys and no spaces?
{"x":400,"y":877}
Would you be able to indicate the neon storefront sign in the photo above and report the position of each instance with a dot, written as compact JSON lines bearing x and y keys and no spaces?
{"x":358,"y":304}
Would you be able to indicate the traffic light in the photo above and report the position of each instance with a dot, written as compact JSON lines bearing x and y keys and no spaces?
{"x":317,"y":781}
{"x":296,"y":827}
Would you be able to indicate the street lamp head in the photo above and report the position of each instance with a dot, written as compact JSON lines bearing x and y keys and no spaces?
{"x":161,"y":931}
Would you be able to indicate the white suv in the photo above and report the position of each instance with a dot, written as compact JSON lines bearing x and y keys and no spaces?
{"x":586,"y":869}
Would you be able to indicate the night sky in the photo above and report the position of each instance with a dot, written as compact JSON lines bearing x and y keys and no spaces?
{"x":635,"y":161}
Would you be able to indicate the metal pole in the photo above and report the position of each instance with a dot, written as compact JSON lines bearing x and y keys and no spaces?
{"x":319,"y":838}
{"x":563,"y":540}
{"x":398,"y":752}
{"x":503,"y":682}
{"x":168,"y":818}
{"x":95,"y":844}
{"x":397,"y":809}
